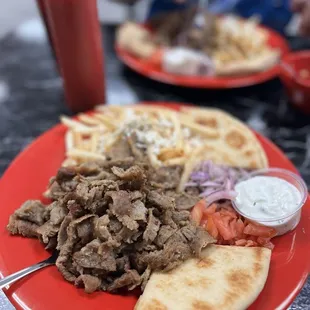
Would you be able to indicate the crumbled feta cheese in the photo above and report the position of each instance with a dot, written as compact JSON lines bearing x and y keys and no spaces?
{"x":195,"y":141}
{"x":186,"y":132}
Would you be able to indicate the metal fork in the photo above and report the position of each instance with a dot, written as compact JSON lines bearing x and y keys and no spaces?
{"x":24,"y":272}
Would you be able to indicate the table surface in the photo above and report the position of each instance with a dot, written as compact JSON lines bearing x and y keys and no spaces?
{"x":35,"y":100}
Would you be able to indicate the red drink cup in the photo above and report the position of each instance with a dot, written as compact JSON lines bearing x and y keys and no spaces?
{"x":75,"y":36}
{"x":295,"y":75}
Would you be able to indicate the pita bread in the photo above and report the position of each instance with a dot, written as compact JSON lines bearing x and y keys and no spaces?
{"x":226,"y":277}
{"x":237,"y":53}
{"x":136,"y":40}
{"x":235,"y":144}
{"x":260,"y":63}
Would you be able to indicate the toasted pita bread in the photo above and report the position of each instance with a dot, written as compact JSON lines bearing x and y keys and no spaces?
{"x":247,"y":66}
{"x":226,"y":277}
{"x":234,"y":145}
{"x":136,"y":40}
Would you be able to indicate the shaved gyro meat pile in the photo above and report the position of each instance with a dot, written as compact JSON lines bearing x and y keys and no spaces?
{"x":112,"y":224}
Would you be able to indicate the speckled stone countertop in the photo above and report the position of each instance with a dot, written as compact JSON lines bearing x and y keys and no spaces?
{"x":31,"y":100}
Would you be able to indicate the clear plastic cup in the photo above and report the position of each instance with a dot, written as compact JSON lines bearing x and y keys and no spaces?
{"x":282,"y":224}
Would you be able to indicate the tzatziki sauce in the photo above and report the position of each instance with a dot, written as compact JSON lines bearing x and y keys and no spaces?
{"x":270,"y":200}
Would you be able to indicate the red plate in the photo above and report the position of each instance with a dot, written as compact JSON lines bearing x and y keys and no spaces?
{"x":143,"y":67}
{"x":27,"y":178}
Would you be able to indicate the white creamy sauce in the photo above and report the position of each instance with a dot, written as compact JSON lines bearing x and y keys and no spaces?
{"x":180,"y":60}
{"x":268,"y":198}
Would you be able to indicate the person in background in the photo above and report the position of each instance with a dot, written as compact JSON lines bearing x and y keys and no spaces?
{"x":275,"y":14}
{"x":302,"y":7}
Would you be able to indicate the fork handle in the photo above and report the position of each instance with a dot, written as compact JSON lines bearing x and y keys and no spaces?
{"x":22,"y":273}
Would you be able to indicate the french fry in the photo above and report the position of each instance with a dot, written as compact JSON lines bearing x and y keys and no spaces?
{"x":175,"y":161}
{"x":110,"y":123}
{"x":73,"y":124}
{"x":69,"y":162}
{"x":69,"y":140}
{"x":153,"y":158}
{"x":170,"y":153}
{"x":177,"y":130}
{"x":205,"y":131}
{"x":88,"y":120}
{"x":77,"y":139}
{"x":94,"y":142}
{"x":85,"y":155}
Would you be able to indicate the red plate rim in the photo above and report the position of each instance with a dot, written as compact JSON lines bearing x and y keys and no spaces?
{"x":148,"y":70}
{"x":55,"y":134}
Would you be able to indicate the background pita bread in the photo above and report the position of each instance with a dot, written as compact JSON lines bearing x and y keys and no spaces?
{"x":136,"y":40}
{"x":226,"y":277}
{"x":260,"y":63}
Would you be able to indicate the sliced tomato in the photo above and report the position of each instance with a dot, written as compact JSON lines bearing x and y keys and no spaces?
{"x":197,"y":211}
{"x":222,"y":225}
{"x":211,"y":228}
{"x":230,"y":209}
{"x":206,"y":212}
{"x":202,"y":204}
{"x":228,"y":213}
{"x":196,"y":215}
{"x":251,"y":243}
{"x":211,"y":209}
{"x":226,"y":219}
{"x":239,"y":228}
{"x":262,"y":240}
{"x":241,"y":242}
{"x":233,"y":224}
{"x":253,"y":238}
{"x":269,"y":245}
{"x":259,"y":231}
{"x":204,"y":220}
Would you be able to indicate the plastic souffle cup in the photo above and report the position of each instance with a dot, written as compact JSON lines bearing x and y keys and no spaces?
{"x":284,"y":223}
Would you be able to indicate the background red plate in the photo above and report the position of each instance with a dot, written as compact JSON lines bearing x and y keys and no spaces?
{"x":27,"y":178}
{"x":143,"y":67}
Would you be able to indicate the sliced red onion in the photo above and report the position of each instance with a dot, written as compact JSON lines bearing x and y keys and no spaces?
{"x":228,"y":184}
{"x":211,"y":184}
{"x":205,"y":166}
{"x":191,"y":184}
{"x":207,"y":192}
{"x":221,"y":179}
{"x":199,"y":176}
{"x":219,"y":195}
{"x":213,"y":179}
